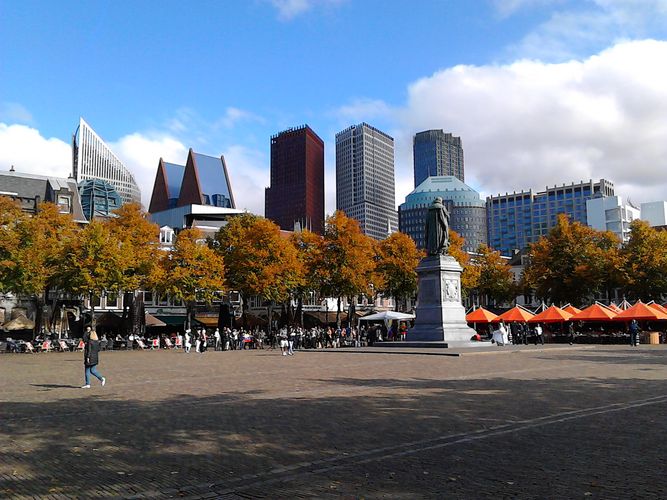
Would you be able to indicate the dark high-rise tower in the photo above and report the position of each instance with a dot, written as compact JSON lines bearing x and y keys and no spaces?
{"x":437,"y":153}
{"x":296,"y":194}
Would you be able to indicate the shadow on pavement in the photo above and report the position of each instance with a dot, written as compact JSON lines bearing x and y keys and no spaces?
{"x":193,"y":445}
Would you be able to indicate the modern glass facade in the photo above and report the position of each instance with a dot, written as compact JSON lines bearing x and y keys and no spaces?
{"x":203,"y":180}
{"x":213,"y":181}
{"x":98,"y":198}
{"x":436,"y":153}
{"x":467,"y":211}
{"x":92,"y":159}
{"x":365,"y":186}
{"x":517,"y":219}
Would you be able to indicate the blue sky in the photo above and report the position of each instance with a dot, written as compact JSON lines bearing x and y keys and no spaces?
{"x":547,"y":82}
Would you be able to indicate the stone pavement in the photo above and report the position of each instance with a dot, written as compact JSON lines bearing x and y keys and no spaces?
{"x":565,"y":422}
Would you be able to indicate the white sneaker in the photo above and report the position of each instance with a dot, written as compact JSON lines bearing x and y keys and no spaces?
{"x":284,"y":354}
{"x":87,"y":386}
{"x":104,"y":381}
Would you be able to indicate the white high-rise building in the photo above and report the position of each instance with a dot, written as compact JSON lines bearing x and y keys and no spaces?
{"x":365,"y":186}
{"x":92,"y":159}
{"x":655,"y":213}
{"x":611,"y":213}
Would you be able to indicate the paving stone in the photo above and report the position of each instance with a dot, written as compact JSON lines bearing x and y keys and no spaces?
{"x":577,"y":421}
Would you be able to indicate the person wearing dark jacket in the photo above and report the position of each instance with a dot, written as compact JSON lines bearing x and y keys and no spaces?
{"x":91,"y":353}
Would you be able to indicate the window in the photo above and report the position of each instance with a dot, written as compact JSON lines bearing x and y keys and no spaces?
{"x":65,"y":204}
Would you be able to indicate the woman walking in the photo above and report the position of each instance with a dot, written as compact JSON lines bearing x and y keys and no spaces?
{"x":91,"y":357}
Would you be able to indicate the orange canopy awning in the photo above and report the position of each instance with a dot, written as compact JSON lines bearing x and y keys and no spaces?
{"x":571,"y":309}
{"x":481,"y":315}
{"x":516,"y":315}
{"x":641,"y":311}
{"x":660,"y":308}
{"x":551,"y":314}
{"x":596,"y":312}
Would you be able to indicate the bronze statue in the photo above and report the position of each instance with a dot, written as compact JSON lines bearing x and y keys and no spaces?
{"x":437,"y":228}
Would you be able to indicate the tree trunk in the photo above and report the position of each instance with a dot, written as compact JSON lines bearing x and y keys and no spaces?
{"x":92,"y":311}
{"x":338,"y":304}
{"x":299,"y":309}
{"x":351,"y":311}
{"x":39,"y":306}
{"x":189,"y":306}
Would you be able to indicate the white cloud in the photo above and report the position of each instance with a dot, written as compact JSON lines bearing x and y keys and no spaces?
{"x":30,"y":152}
{"x":573,"y":28}
{"x":363,"y":110}
{"x":249,"y":174}
{"x":141,"y":152}
{"x":530,"y":124}
{"x":15,"y":112}
{"x":233,"y":116}
{"x":289,"y":9}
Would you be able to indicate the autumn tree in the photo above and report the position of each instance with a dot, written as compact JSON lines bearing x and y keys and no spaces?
{"x":348,"y":259}
{"x":309,"y":247}
{"x":93,"y":263}
{"x":470,"y":274}
{"x":139,"y":241}
{"x":495,"y":279}
{"x":11,"y":216}
{"x":397,"y":265}
{"x":192,"y":271}
{"x":645,"y":262}
{"x":259,"y":261}
{"x":572,"y":262}
{"x":39,"y":243}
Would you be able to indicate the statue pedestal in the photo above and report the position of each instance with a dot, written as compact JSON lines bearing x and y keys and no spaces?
{"x":440,"y":316}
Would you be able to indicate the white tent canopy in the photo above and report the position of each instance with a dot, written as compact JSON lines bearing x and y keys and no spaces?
{"x":387,"y":316}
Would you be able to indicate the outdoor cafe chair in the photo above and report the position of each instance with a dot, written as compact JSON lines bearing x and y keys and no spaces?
{"x":29,"y":347}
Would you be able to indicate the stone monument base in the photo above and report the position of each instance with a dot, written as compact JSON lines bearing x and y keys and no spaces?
{"x":440,"y":316}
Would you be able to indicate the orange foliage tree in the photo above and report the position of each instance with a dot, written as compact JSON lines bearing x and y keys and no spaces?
{"x":259,"y":261}
{"x":192,"y":271}
{"x":348,"y":260}
{"x":398,"y":258}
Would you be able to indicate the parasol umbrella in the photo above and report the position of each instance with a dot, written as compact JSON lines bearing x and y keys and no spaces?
{"x":21,"y":322}
{"x":571,"y":309}
{"x":660,"y":308}
{"x":481,"y":315}
{"x":515,"y":315}
{"x":596,"y":312}
{"x":641,"y":311}
{"x":551,"y":314}
{"x":153,"y":321}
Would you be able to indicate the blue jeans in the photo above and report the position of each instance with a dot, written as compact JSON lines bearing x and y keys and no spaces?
{"x":93,"y":370}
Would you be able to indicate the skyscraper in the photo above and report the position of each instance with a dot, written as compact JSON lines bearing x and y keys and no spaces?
{"x":92,"y":159}
{"x":437,"y":153}
{"x":365,"y":179}
{"x":296,"y":193}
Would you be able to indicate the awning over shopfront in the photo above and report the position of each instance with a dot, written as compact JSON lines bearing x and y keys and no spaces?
{"x":171,"y":320}
{"x":207,"y":321}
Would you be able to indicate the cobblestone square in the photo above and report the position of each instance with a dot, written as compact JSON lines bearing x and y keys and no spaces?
{"x":553,"y":422}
